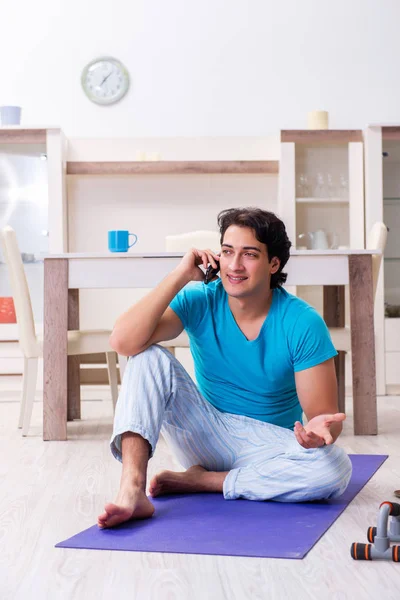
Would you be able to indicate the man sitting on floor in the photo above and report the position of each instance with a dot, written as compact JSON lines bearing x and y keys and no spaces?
{"x":261,"y":356}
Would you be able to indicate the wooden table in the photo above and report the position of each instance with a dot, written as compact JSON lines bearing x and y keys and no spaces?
{"x":66,"y":274}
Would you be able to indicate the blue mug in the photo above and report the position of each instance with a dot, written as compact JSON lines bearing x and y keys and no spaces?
{"x":118,"y":241}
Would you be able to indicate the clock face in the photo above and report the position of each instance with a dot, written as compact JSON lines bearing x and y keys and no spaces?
{"x":105,"y":80}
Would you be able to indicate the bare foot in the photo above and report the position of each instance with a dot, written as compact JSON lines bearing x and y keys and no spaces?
{"x":170,"y":482}
{"x":131,"y":503}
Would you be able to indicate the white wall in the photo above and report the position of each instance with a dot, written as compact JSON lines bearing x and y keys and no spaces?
{"x":203,"y":68}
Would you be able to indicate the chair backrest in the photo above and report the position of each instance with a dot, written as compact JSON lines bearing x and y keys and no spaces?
{"x":193,"y":239}
{"x":20,"y":292}
{"x":377,"y":241}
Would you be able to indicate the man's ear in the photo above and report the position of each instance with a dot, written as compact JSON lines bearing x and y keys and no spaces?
{"x":275,"y":264}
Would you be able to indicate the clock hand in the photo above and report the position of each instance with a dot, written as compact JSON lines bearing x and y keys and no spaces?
{"x":105,"y":78}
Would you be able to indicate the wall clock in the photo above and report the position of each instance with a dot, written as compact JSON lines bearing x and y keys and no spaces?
{"x":105,"y":80}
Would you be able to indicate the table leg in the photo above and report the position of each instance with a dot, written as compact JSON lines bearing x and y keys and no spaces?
{"x":334,"y":316}
{"x":74,"y":363}
{"x":363,"y":344}
{"x":55,"y":349}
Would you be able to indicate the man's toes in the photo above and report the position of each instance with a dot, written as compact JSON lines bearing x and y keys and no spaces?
{"x":102,"y":519}
{"x":111,"y":515}
{"x":154,"y":488}
{"x":153,"y":484}
{"x":101,"y":522}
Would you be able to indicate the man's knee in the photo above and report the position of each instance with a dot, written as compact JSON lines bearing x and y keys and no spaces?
{"x":334,"y":472}
{"x":154,"y":353}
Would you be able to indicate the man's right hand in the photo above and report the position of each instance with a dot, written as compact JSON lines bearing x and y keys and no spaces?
{"x":190,"y":263}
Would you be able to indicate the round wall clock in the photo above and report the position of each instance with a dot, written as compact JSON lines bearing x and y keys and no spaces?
{"x":105,"y":80}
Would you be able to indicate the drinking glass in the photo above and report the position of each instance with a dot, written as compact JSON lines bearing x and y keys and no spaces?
{"x":320,"y":188}
{"x":343,"y":185}
{"x":331,"y":185}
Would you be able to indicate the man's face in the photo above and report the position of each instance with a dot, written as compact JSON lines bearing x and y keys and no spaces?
{"x":244,"y":266}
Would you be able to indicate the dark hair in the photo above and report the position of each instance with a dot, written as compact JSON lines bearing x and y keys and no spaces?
{"x":268,"y":229}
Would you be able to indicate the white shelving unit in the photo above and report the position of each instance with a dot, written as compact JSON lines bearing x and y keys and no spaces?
{"x":320,"y":157}
{"x":194,"y":179}
{"x":321,"y":187}
{"x":99,"y":184}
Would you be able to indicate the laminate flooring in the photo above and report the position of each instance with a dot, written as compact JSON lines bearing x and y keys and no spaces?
{"x":52,"y":490}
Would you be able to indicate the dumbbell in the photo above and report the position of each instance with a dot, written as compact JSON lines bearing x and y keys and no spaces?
{"x":380,"y":548}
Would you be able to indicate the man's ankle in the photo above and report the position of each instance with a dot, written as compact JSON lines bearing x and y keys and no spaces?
{"x":133,"y":479}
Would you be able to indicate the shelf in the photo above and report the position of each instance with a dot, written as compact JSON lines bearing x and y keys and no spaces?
{"x":322,"y":200}
{"x":318,"y":136}
{"x":270,"y":167}
{"x":391,"y":133}
{"x":22,"y":136}
{"x":391,"y":258}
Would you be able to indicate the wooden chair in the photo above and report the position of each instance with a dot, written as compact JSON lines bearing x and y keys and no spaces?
{"x":341,"y":337}
{"x":79,"y":342}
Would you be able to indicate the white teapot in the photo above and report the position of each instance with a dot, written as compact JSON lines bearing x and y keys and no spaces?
{"x":318,"y":239}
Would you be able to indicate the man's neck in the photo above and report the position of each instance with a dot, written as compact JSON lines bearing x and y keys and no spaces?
{"x":251,"y":308}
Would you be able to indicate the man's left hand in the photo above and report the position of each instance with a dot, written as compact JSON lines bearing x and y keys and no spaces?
{"x":317,"y":432}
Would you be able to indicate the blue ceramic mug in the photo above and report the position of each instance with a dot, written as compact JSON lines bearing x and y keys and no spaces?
{"x":118,"y":241}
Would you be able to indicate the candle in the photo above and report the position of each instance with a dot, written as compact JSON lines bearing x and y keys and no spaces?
{"x":318,"y":119}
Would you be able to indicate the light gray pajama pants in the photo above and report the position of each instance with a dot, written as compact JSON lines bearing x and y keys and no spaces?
{"x":265,"y":462}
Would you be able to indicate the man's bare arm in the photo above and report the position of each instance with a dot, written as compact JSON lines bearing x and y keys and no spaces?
{"x":134,"y":329}
{"x":151,"y":320}
{"x":317,"y":391}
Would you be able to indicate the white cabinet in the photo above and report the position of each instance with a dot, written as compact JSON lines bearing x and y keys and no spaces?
{"x":321,"y":197}
{"x":321,"y":189}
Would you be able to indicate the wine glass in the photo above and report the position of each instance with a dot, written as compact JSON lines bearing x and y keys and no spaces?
{"x":302,"y":186}
{"x":343,"y":185}
{"x":331,"y":185}
{"x":320,"y":189}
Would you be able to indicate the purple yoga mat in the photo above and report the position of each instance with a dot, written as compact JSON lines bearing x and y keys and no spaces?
{"x":208,"y":524}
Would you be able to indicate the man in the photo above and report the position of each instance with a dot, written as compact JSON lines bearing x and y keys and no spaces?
{"x":262,"y":357}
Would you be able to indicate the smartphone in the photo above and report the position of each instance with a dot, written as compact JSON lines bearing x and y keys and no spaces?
{"x":211,"y":273}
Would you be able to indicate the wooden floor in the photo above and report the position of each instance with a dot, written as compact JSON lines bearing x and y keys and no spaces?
{"x":52,"y":490}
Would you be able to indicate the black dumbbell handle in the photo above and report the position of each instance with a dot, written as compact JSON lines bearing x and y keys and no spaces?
{"x":361,"y":551}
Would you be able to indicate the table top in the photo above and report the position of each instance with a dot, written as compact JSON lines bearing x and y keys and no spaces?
{"x":113,"y":255}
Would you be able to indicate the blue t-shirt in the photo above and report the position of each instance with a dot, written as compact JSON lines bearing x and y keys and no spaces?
{"x":253,"y":378}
